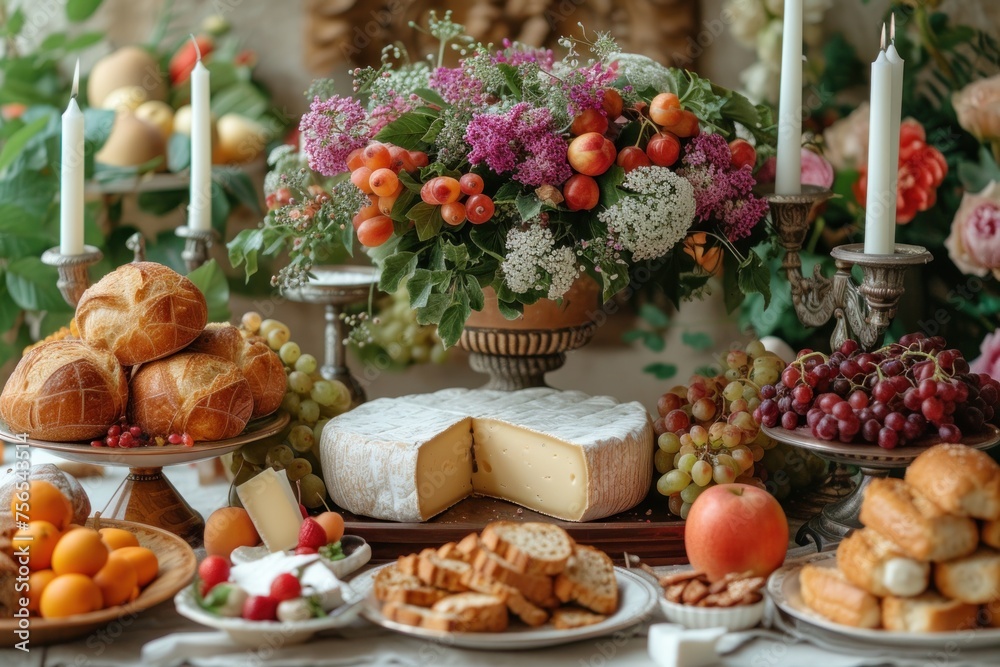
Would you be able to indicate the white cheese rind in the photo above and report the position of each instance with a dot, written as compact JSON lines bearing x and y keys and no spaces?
{"x":565,"y":454}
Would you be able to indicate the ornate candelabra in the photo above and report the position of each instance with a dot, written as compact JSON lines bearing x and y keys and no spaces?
{"x":863,"y":311}
{"x":74,"y":278}
{"x":197,"y":245}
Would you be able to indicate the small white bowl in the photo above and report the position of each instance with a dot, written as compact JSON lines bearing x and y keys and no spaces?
{"x":357,"y":552}
{"x":740,"y":617}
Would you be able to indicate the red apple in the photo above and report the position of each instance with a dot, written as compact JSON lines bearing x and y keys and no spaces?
{"x":589,"y":120}
{"x":631,"y":157}
{"x":743,"y":153}
{"x":591,"y":154}
{"x":736,"y":528}
{"x":581,"y":193}
{"x":663,"y":149}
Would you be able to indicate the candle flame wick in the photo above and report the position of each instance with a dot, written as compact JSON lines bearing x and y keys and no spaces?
{"x":892,"y":28}
{"x":197,"y":49}
{"x":882,"y":47}
{"x":76,"y":80}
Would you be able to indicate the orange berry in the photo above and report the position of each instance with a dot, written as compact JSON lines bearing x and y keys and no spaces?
{"x":333,"y":524}
{"x":479,"y":209}
{"x":116,"y":538}
{"x":68,"y":595}
{"x":376,"y":156}
{"x":385,"y":204}
{"x":360,"y":178}
{"x":471,"y":184}
{"x":37,"y":581}
{"x":41,"y":538}
{"x":80,"y":551}
{"x":419,"y":158}
{"x":401,"y":160}
{"x":383,"y":182}
{"x":44,"y":502}
{"x":142,"y":559}
{"x":375,"y":231}
{"x":453,"y":213}
{"x":354,"y":160}
{"x":117,"y":580}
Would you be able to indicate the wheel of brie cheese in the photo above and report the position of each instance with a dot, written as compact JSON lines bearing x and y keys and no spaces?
{"x":562,"y":453}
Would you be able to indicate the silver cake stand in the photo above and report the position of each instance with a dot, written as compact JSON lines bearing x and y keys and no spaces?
{"x":337,"y":287}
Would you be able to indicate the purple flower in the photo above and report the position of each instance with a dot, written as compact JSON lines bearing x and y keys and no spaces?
{"x":457,"y":86}
{"x":708,"y":149}
{"x":585,"y":86}
{"x":384,"y":114}
{"x":522,"y":141}
{"x":515,"y":54}
{"x":331,"y":130}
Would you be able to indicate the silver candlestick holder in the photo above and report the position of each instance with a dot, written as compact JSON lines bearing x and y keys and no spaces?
{"x":197,"y":245}
{"x":74,"y":277}
{"x":862,"y":311}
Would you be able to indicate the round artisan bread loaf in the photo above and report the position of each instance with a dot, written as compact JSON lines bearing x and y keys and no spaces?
{"x":958,"y":479}
{"x":202,"y":395}
{"x":64,"y":391}
{"x":141,"y":311}
{"x":259,"y":364}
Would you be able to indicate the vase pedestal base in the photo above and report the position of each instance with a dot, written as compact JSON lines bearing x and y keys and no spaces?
{"x":147,"y":496}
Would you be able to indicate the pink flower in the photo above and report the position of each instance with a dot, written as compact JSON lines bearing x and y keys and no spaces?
{"x":816,"y":170}
{"x":457,"y":86}
{"x":988,"y":360}
{"x":976,"y":106}
{"x":384,"y":114}
{"x":974,"y":241}
{"x":846,"y":141}
{"x":331,"y":130}
{"x":521,"y":141}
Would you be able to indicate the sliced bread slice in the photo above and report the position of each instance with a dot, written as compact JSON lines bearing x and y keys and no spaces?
{"x":517,"y":604}
{"x":530,"y":547}
{"x":441,"y":572}
{"x":469,"y":612}
{"x":409,"y":614}
{"x":394,"y":585}
{"x":538,"y":589}
{"x":568,"y":618}
{"x":589,"y":580}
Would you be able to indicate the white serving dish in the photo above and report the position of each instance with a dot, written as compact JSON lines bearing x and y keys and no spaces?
{"x":357,"y":553}
{"x":740,"y":617}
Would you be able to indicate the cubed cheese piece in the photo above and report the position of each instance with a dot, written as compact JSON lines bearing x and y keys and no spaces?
{"x":272,"y":507}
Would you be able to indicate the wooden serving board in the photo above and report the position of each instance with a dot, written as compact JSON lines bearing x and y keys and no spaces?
{"x":648,"y":530}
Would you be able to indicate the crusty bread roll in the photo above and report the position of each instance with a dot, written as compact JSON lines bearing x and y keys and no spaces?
{"x":828,"y":593}
{"x":918,"y":527}
{"x":141,"y":311}
{"x":962,"y":480}
{"x":990,"y":533}
{"x":64,"y":390}
{"x":929,"y":612}
{"x":199,"y":394}
{"x":974,"y":579}
{"x":259,"y":364}
{"x":873,"y":563}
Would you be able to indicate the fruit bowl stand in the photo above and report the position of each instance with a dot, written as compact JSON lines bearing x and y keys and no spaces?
{"x":839,"y":518}
{"x":147,"y":496}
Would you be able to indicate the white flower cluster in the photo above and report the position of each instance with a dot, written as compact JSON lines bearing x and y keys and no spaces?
{"x":531,"y":254}
{"x":655,"y":216}
{"x":643,"y":72}
{"x":758,"y":25}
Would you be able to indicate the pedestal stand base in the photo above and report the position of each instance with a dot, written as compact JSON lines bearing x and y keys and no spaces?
{"x":513,"y":373}
{"x":148,"y":497}
{"x":838,"y":519}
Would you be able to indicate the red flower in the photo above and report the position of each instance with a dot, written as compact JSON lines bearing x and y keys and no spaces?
{"x":922,"y":169}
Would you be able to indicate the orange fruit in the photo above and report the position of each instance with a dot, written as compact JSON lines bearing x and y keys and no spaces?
{"x":333,"y":524}
{"x":228,"y":528}
{"x":41,"y":538}
{"x":116,"y":538}
{"x":45,"y":502}
{"x":117,"y":579}
{"x":69,"y":594}
{"x":37,"y":581}
{"x":142,"y":560}
{"x":80,"y":551}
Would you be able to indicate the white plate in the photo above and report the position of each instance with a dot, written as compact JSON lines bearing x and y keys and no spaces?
{"x":266,"y":633}
{"x":783,"y":587}
{"x":357,"y":552}
{"x":637,"y":598}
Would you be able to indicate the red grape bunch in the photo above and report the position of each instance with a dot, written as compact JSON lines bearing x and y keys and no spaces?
{"x":904,"y":391}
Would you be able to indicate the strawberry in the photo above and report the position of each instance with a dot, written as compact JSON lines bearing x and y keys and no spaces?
{"x":312,"y":534}
{"x":285,"y":587}
{"x":303,"y":511}
{"x":260,"y":608}
{"x":305,"y":551}
{"x":213,"y":570}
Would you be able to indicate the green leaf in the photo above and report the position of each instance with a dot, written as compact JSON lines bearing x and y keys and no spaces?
{"x":220,"y":209}
{"x":178,"y":152}
{"x":510,"y":311}
{"x":238,"y":185}
{"x":731,"y":293}
{"x":432,"y":312}
{"x":13,"y":147}
{"x":477,"y":300}
{"x":661,"y":371}
{"x":162,"y":202}
{"x":9,"y":310}
{"x":633,"y":335}
{"x":419,"y":288}
{"x":409,"y":183}
{"x":81,"y":10}
{"x":211,"y":280}
{"x":97,"y":127}
{"x":52,"y":42}
{"x":15,"y":23}
{"x":697,"y":340}
{"x":609,"y":182}
{"x":654,"y":316}
{"x":404,"y":202}
{"x":453,"y":323}
{"x":707,"y":371}
{"x":407,"y":131}
{"x":654,"y":341}
{"x":241,"y":98}
{"x":431,"y":96}
{"x":508,"y":192}
{"x":754,"y":277}
{"x":32,"y":192}
{"x":427,"y":219}
{"x":513,"y":79}
{"x":528,"y":206}
{"x":84,"y":41}
{"x":491,"y":239}
{"x":433,"y":131}
{"x":33,"y":285}
{"x":395,"y":268}
{"x":458,"y":255}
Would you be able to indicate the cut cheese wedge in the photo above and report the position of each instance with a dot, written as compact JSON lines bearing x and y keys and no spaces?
{"x":561,"y":453}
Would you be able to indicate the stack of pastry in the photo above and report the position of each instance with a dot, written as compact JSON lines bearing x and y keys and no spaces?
{"x":927,"y":559}
{"x":140,"y":349}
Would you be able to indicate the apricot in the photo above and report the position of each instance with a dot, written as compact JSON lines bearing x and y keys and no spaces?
{"x":45,"y":502}
{"x":41,"y":539}
{"x":68,"y":595}
{"x":117,"y":580}
{"x":81,"y":551}
{"x":333,"y":524}
{"x":228,"y":528}
{"x":591,"y":154}
{"x":142,"y":560}
{"x":116,"y":538}
{"x":37,"y":581}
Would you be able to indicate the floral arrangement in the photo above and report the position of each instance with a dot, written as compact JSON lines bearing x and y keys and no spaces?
{"x":948,"y":199}
{"x":518,"y":171}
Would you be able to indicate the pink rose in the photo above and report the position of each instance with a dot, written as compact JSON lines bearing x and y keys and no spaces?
{"x":846,"y":141}
{"x":816,"y":170}
{"x":974,"y":241}
{"x":988,"y":360}
{"x":978,"y":108}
